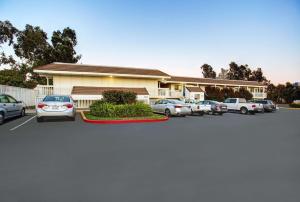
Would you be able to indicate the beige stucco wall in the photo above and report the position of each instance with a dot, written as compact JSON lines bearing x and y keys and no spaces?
{"x":64,"y":84}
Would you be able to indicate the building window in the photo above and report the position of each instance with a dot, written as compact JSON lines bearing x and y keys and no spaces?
{"x":177,"y":87}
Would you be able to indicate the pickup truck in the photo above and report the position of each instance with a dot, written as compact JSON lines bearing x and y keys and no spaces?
{"x":197,"y":107}
{"x":241,"y":105}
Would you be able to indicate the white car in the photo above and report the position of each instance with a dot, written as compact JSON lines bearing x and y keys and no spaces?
{"x":198,"y":107}
{"x":171,"y":107}
{"x":241,"y":105}
{"x":56,"y":106}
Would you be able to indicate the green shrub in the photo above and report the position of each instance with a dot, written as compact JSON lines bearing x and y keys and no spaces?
{"x":101,"y":108}
{"x":294,"y":105}
{"x":104,"y":109}
{"x":119,"y":97}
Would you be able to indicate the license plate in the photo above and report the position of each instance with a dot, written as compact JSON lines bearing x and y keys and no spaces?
{"x":54,"y":107}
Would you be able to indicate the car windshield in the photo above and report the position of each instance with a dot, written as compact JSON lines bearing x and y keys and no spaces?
{"x":56,"y":99}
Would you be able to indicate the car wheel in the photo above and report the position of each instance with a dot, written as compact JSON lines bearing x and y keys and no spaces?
{"x":201,"y":113}
{"x":167,"y":112}
{"x":244,"y":110}
{"x":72,"y":118}
{"x":1,"y":118}
{"x":39,"y":119}
{"x":220,"y":113}
{"x":22,"y":113}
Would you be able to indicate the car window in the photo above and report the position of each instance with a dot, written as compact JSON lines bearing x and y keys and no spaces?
{"x":11,"y":99}
{"x":56,"y":99}
{"x":3,"y":99}
{"x":242,"y":100}
{"x":164,"y":102}
{"x":175,"y":102}
{"x":157,"y":102}
{"x":227,"y":101}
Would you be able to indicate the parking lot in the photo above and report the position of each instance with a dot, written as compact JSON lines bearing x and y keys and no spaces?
{"x":211,"y":158}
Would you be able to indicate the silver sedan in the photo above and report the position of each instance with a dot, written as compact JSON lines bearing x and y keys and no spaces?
{"x":171,"y":107}
{"x":56,"y":106}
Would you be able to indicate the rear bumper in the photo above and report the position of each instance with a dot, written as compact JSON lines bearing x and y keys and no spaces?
{"x":66,"y":113}
{"x":180,"y":111}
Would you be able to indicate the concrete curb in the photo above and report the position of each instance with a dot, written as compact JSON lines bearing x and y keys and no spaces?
{"x":290,"y":108}
{"x":121,"y":121}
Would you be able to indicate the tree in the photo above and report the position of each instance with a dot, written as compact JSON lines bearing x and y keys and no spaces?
{"x":223,"y":74}
{"x":7,"y":33}
{"x":213,"y":93}
{"x":237,"y":72}
{"x":33,"y":48}
{"x":63,"y":46}
{"x":289,"y":93}
{"x":227,"y":92}
{"x":243,"y":93}
{"x":257,"y":75}
{"x":208,"y":71}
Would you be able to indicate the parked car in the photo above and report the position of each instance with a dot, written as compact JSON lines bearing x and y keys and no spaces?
{"x":171,"y":107}
{"x":10,"y":107}
{"x":268,"y":105}
{"x":197,"y":107}
{"x":56,"y":106}
{"x":206,"y":106}
{"x":242,"y":106}
{"x":216,"y":107}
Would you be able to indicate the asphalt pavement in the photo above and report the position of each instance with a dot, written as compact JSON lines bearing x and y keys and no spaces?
{"x":211,"y":158}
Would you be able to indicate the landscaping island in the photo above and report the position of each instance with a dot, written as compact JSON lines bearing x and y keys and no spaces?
{"x":120,"y":107}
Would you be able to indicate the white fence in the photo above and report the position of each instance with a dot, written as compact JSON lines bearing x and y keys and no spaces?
{"x":25,"y":95}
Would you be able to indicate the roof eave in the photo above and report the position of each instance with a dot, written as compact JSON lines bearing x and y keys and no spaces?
{"x":51,"y":72}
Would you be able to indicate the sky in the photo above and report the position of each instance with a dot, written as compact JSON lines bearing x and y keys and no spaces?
{"x":174,"y":36}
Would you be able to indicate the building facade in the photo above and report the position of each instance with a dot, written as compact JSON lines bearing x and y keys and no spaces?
{"x":85,"y":83}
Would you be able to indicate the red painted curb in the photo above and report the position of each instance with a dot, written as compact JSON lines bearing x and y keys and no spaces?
{"x":122,"y":121}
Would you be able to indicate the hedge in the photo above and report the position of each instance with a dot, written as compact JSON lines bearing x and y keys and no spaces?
{"x":119,"y":97}
{"x":104,"y":109}
{"x":294,"y":105}
{"x":213,"y":93}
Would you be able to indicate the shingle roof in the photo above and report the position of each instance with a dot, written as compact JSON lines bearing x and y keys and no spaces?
{"x":194,"y":89}
{"x":68,"y":67}
{"x":86,"y":90}
{"x":213,"y":81}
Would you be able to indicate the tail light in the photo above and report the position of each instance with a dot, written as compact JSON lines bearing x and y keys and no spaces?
{"x":253,"y":106}
{"x":69,"y":106}
{"x":41,"y":105}
{"x":178,"y":106}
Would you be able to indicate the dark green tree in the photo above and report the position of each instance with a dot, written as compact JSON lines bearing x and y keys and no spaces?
{"x":208,"y":71}
{"x":243,"y":93}
{"x":227,"y":92}
{"x":32,"y":47}
{"x":257,"y":75}
{"x":236,"y":72}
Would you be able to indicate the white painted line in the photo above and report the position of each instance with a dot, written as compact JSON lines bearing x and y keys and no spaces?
{"x":14,"y":128}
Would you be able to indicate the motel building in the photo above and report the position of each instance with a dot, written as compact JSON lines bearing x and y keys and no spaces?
{"x":86,"y":83}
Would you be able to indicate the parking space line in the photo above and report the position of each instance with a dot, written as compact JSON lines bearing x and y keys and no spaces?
{"x":22,"y":123}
